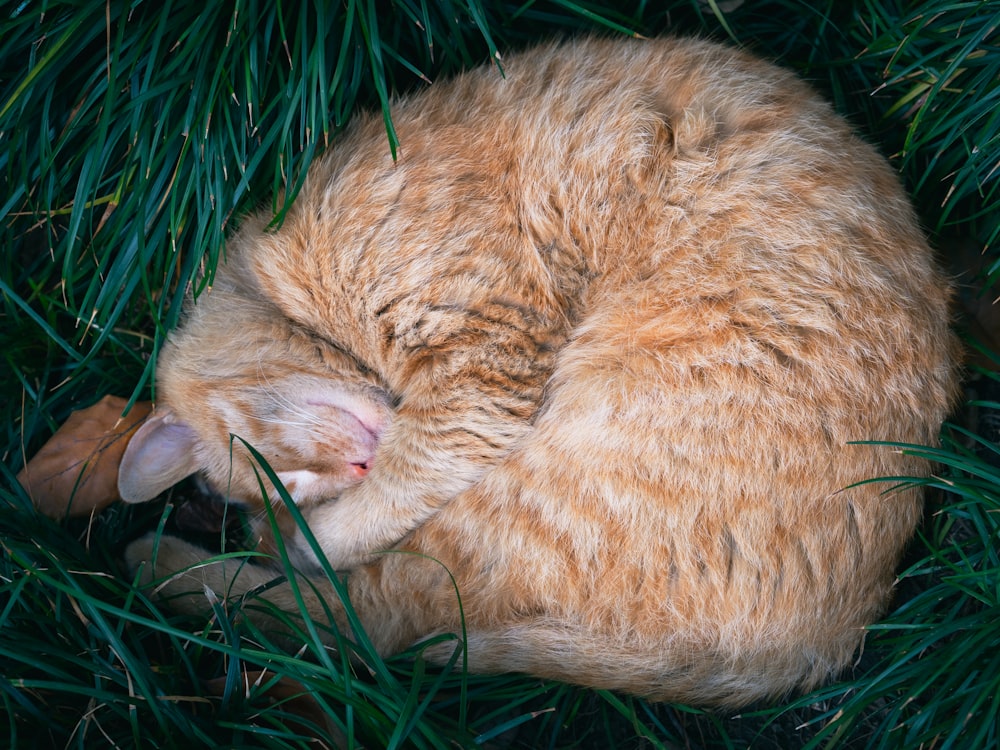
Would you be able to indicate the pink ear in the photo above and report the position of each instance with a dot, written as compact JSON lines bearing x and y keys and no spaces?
{"x":160,"y":454}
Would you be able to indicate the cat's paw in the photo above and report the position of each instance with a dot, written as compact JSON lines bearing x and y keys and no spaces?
{"x":190,"y":577}
{"x":183,"y":573}
{"x":153,"y":556}
{"x":363,"y":523}
{"x":191,"y":580}
{"x":138,"y":558}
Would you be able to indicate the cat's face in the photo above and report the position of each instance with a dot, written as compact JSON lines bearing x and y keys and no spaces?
{"x":238,"y":373}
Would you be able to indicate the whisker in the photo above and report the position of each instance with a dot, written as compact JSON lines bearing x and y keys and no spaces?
{"x":282,"y":400}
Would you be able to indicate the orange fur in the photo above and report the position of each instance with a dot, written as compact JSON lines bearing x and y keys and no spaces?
{"x":629,"y":303}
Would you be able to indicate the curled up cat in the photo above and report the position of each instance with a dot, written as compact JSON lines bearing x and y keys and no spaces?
{"x":600,"y":344}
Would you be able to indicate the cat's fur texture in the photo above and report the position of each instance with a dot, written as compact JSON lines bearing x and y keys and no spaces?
{"x":617,"y":317}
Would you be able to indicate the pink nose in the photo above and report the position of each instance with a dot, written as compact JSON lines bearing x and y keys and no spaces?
{"x":359,"y":470}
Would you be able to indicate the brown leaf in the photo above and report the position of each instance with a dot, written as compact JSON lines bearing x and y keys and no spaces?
{"x":76,"y":471}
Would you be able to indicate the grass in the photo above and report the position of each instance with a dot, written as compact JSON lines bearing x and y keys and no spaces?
{"x":132,"y":137}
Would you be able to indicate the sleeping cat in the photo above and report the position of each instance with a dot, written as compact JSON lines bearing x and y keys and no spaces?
{"x":597,"y":344}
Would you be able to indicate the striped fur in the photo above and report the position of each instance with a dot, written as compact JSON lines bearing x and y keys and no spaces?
{"x":613,"y":320}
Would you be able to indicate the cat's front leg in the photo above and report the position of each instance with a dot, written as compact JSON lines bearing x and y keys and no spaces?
{"x":193,"y":580}
{"x":427,"y":457}
{"x":190,"y":576}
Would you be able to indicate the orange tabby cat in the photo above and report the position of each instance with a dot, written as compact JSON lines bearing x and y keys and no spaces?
{"x":599,"y":342}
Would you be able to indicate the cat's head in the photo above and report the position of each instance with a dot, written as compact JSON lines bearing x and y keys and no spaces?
{"x":238,"y":371}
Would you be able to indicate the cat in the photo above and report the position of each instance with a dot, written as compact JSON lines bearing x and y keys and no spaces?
{"x":603,"y":340}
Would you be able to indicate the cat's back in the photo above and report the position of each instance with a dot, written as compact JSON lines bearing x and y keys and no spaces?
{"x":588,"y":156}
{"x":756,"y":297}
{"x":603,"y":172}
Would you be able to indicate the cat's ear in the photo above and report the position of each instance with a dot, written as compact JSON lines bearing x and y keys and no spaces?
{"x":159,"y":455}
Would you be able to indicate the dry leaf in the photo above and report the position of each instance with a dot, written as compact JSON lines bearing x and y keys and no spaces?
{"x":76,"y":471}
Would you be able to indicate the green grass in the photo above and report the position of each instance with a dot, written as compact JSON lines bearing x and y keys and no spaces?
{"x":134,"y":135}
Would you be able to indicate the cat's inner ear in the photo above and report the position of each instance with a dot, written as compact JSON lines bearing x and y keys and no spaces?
{"x":160,"y":454}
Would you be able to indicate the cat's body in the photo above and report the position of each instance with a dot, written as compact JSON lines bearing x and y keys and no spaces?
{"x":630,"y":304}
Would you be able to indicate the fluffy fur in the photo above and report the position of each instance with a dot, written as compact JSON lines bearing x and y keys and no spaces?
{"x":612,"y":321}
